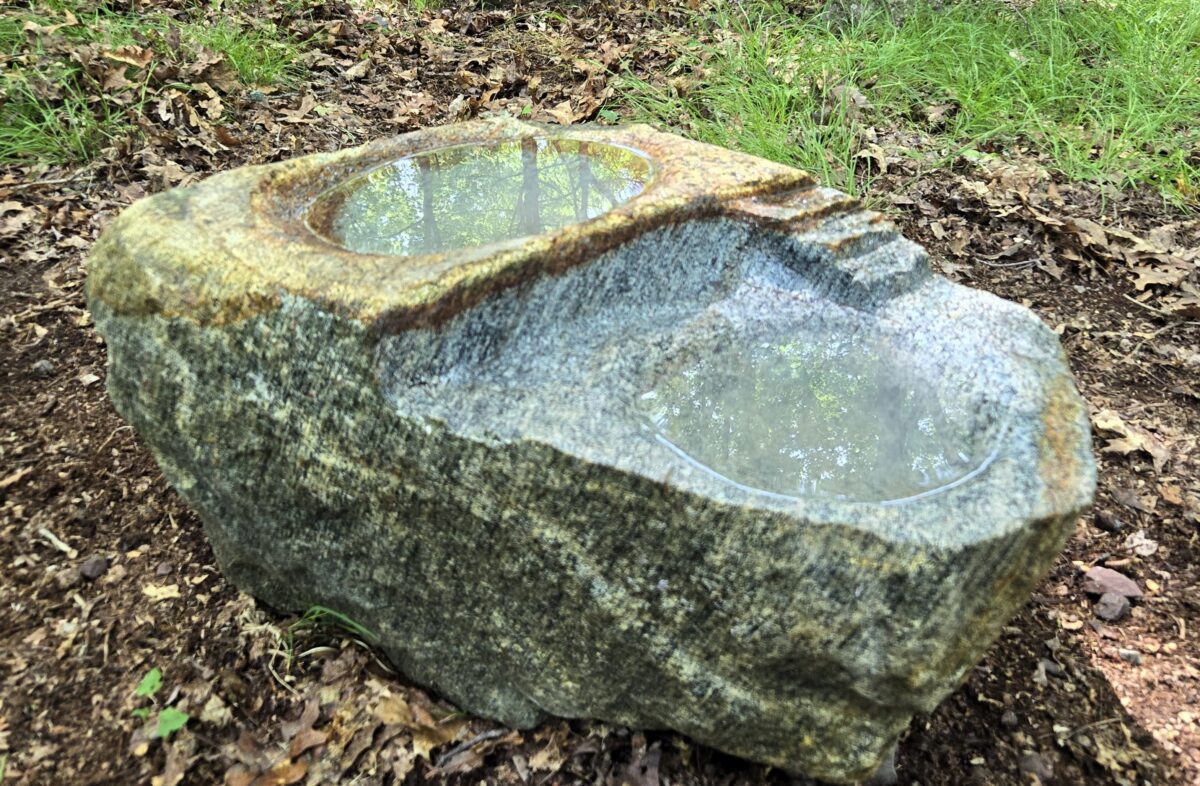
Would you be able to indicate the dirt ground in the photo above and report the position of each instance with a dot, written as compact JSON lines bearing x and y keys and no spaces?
{"x":105,"y":574}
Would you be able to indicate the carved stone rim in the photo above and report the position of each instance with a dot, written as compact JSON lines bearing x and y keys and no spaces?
{"x":251,"y":225}
{"x":320,"y":214}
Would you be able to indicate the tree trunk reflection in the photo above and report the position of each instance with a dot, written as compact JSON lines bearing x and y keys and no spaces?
{"x":529,"y":218}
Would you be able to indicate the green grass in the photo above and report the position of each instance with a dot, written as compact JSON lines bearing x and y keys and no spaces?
{"x":321,"y":618}
{"x":1107,"y":90}
{"x":47,"y":111}
{"x":11,"y":33}
{"x":52,"y":111}
{"x":261,"y":55}
{"x":52,"y":130}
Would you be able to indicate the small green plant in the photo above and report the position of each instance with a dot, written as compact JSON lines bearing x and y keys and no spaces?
{"x":323,"y":617}
{"x":315,"y":619}
{"x":150,"y":684}
{"x":3,"y":766}
{"x":170,"y":719}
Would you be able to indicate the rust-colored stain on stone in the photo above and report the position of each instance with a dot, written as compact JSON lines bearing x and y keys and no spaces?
{"x":1059,"y":457}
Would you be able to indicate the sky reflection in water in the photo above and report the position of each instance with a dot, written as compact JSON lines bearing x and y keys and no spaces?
{"x":831,"y":415}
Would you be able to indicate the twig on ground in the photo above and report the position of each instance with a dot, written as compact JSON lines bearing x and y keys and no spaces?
{"x":490,"y":734}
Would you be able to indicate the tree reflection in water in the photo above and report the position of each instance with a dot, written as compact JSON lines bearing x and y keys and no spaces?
{"x":471,"y":195}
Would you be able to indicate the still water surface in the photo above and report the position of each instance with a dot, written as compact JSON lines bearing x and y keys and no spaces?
{"x":471,"y":195}
{"x":833,"y":415}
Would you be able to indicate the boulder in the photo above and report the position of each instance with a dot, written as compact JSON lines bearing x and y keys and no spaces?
{"x":708,"y":449}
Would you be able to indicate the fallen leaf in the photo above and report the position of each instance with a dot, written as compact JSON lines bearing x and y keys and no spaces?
{"x":549,"y":759}
{"x":21,"y":215}
{"x":282,"y":774}
{"x":1148,"y":276}
{"x":460,"y":108}
{"x":428,"y":734}
{"x":308,"y":738}
{"x":300,"y":114}
{"x":1171,"y":494}
{"x":159,"y":593}
{"x":852,"y":99}
{"x":1089,"y":233}
{"x":357,"y":71}
{"x":1132,"y":438}
{"x":1130,"y":499}
{"x":215,"y":712}
{"x":563,"y":114}
{"x":1142,"y":545}
{"x":393,"y":709}
{"x":136,"y":56}
{"x":936,"y":114}
{"x":308,"y":716}
{"x":873,"y":152}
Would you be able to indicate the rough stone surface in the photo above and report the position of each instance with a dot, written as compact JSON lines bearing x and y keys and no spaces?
{"x":1112,"y":607}
{"x":443,"y":448}
{"x":1130,"y":656}
{"x":94,"y":567}
{"x":1100,"y":581}
{"x":886,"y":775}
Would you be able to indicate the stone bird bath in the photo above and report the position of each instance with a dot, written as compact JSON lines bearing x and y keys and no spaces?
{"x":600,"y":422}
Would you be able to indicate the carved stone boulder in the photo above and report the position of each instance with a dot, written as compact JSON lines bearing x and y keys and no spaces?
{"x":600,"y":422}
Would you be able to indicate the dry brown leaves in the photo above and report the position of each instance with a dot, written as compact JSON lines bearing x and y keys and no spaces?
{"x":1040,"y":226}
{"x":355,"y":726}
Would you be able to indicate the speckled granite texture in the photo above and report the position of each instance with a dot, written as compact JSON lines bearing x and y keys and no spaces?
{"x":447,"y":449}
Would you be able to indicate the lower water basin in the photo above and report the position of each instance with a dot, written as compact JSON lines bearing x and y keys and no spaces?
{"x":817,"y":414}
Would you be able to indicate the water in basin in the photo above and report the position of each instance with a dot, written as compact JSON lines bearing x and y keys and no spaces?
{"x":471,"y":195}
{"x":805,"y":413}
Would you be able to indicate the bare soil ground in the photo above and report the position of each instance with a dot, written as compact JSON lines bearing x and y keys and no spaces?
{"x":1062,"y":697}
